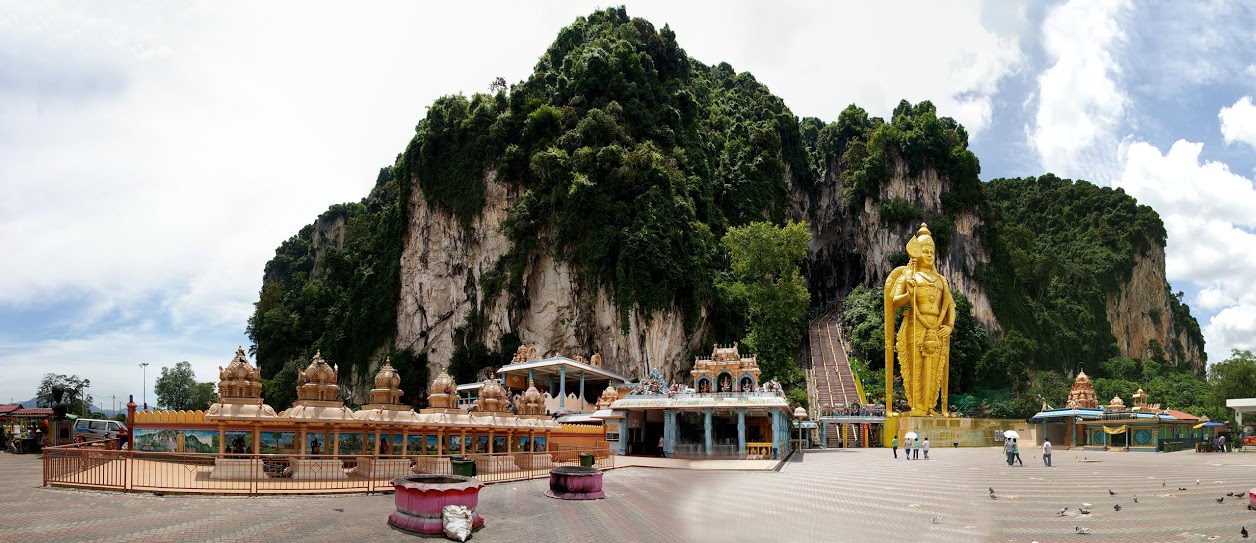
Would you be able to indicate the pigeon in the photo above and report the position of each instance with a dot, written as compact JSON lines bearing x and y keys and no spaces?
{"x":1221,"y":499}
{"x":1182,"y":488}
{"x":937,"y":519}
{"x":1135,"y":499}
{"x":993,"y":497}
{"x":992,"y":490}
{"x":1196,"y":481}
{"x":1081,"y":530}
{"x":1111,"y":493}
{"x":1243,"y":531}
{"x":1162,"y":483}
{"x":1116,"y":507}
{"x":1084,"y":511}
{"x":1060,"y":513}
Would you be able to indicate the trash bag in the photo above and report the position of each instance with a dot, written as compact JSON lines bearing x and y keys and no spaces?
{"x":456,"y":520}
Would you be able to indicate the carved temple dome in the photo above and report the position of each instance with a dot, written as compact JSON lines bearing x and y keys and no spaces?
{"x":387,"y":389}
{"x":532,"y":402}
{"x":608,"y":397}
{"x":240,"y":379}
{"x":317,"y":381}
{"x":492,"y":397}
{"x":1117,"y":404}
{"x":444,"y":391}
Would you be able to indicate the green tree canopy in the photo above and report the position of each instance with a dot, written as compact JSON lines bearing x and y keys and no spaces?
{"x":1234,"y":377}
{"x":178,"y":390}
{"x":77,"y":398}
{"x":764,"y":278}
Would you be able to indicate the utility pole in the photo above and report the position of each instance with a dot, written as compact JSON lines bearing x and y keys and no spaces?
{"x":144,"y":366}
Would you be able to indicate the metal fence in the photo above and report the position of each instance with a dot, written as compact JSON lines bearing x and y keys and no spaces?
{"x":100,"y":465}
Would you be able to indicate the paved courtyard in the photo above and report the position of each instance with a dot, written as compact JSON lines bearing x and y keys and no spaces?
{"x":843,"y":495}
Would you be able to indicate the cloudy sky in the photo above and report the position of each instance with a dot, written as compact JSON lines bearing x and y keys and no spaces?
{"x":154,"y":154}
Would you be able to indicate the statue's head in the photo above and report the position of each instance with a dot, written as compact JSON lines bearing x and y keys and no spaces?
{"x":921,"y":246}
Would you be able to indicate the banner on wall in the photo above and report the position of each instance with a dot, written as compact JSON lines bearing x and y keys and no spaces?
{"x":1117,"y":430}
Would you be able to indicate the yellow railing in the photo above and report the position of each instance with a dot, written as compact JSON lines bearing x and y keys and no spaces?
{"x":164,"y":417}
{"x":759,"y":449}
{"x":582,"y":429}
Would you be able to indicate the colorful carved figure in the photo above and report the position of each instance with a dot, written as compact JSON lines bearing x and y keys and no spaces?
{"x":923,"y":341}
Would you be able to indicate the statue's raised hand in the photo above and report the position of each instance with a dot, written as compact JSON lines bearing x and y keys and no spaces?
{"x":944,"y":331}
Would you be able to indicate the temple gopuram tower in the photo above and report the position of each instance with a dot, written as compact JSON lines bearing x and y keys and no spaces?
{"x":1082,"y":393}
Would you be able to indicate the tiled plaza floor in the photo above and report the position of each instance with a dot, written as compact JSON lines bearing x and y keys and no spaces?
{"x":847,"y":495}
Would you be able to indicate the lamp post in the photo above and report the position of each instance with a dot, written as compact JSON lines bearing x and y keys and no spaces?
{"x":799,"y":414}
{"x":144,"y":391}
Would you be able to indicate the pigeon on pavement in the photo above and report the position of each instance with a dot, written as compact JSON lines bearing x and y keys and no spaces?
{"x":1135,"y":499}
{"x":1221,"y":499}
{"x":1084,"y":511}
{"x":937,"y":519}
{"x":1060,"y":513}
{"x":1081,"y":530}
{"x":1116,"y":507}
{"x":1243,"y":531}
{"x":1111,"y":493}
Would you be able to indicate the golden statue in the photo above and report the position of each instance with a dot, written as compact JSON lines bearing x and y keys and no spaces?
{"x":924,"y":338}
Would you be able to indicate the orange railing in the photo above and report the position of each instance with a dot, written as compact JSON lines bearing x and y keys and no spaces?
{"x":99,"y":467}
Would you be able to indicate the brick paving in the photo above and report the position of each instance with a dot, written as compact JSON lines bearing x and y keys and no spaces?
{"x":839,"y":495}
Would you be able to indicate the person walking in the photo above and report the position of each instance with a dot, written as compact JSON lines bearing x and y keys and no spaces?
{"x":926,"y":448}
{"x":1007,"y":450}
{"x":894,"y":446}
{"x":1221,"y":443}
{"x":907,"y":448}
{"x":1016,"y":452}
{"x":916,"y":451}
{"x":1046,"y":452}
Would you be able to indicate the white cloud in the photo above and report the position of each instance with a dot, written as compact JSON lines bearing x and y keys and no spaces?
{"x":109,"y":360}
{"x":1238,"y":122}
{"x":1080,"y":101}
{"x":1206,"y":212}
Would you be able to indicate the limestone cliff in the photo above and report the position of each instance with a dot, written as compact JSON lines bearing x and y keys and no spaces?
{"x":441,"y":266}
{"x":1140,"y":313}
{"x":851,"y":250}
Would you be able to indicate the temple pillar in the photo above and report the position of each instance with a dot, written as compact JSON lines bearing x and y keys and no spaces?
{"x":562,"y":387}
{"x":741,"y":432}
{"x":706,"y":424}
{"x":776,"y":433}
{"x":669,"y":433}
{"x":490,"y":441}
{"x":257,"y":439}
{"x":462,"y":443}
{"x":222,"y":439}
{"x":440,"y":441}
{"x":376,"y":452}
{"x":301,"y":441}
{"x":823,"y":434}
{"x":581,"y":390}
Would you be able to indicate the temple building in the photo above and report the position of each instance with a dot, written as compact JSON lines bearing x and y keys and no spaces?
{"x":320,"y":431}
{"x":727,"y":413}
{"x":1144,"y":426}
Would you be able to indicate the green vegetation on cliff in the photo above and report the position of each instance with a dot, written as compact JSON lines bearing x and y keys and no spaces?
{"x":633,"y":159}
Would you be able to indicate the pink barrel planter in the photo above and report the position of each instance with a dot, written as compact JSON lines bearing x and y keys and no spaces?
{"x":419,"y":499}
{"x":575,"y":483}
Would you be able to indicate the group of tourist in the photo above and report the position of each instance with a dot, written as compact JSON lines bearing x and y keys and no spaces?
{"x":911,"y":446}
{"x":852,"y":411}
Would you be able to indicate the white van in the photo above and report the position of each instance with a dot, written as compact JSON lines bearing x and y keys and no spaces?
{"x":93,"y":429}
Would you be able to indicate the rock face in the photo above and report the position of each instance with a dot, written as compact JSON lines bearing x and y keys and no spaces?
{"x":441,"y":266}
{"x":1140,"y":313}
{"x":848,"y":251}
{"x":442,"y":263}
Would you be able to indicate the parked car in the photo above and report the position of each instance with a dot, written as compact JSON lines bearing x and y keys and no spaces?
{"x":93,"y":429}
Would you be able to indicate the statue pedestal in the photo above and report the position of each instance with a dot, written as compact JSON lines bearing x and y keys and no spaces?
{"x":237,"y":468}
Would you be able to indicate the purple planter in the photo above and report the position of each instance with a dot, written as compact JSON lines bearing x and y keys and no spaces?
{"x":575,"y":483}
{"x":420,"y":498}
